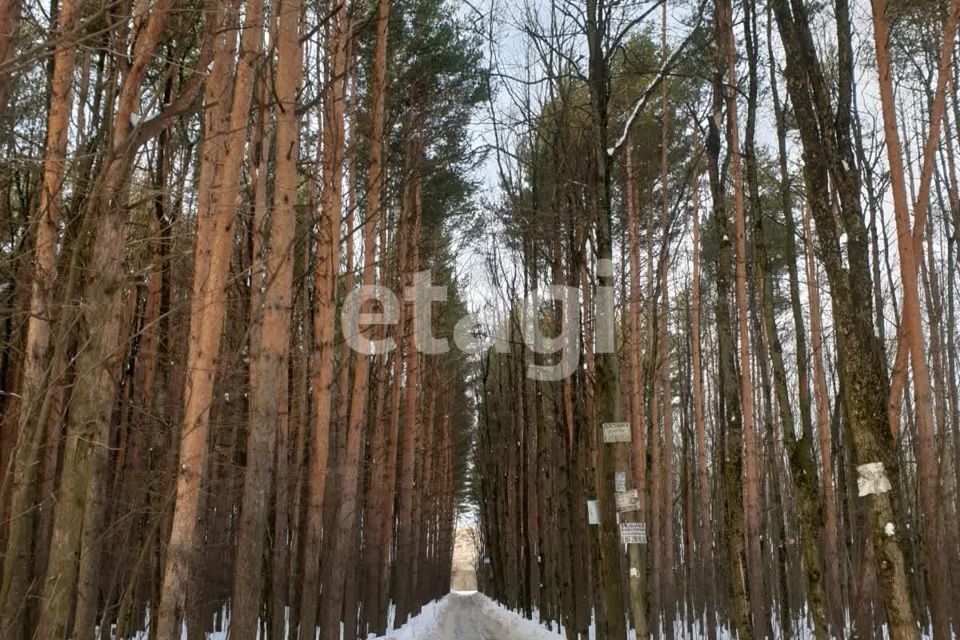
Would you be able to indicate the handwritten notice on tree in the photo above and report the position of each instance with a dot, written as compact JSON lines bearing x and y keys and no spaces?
{"x":633,"y":533}
{"x":614,"y":432}
{"x":628,"y":501}
{"x":620,"y":481}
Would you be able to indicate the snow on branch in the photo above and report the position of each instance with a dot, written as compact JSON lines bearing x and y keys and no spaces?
{"x":644,"y":98}
{"x":639,"y":106}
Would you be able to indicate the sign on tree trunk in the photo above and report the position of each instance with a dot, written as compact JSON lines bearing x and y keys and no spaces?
{"x":620,"y":481}
{"x":593,"y":512}
{"x":633,"y":533}
{"x":614,"y":432}
{"x":628,"y":501}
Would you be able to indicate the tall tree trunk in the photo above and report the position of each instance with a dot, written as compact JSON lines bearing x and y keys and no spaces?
{"x":272,"y":293}
{"x":800,"y":451}
{"x":729,"y":416}
{"x":606,"y":382}
{"x":831,"y":554}
{"x":222,"y":157}
{"x":638,"y":589}
{"x":668,"y":600}
{"x":23,"y":466}
{"x":828,"y":152}
{"x":411,"y":411}
{"x":97,"y":363}
{"x":389,"y":532}
{"x":705,"y":562}
{"x":912,"y":334}
{"x":327,"y":267}
{"x":753,"y":531}
{"x":334,"y":147}
{"x":9,"y":23}
{"x":375,"y":553}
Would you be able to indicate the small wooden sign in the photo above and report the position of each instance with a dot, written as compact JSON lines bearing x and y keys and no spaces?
{"x":633,"y":533}
{"x":620,"y":481}
{"x":628,"y":501}
{"x":614,"y":432}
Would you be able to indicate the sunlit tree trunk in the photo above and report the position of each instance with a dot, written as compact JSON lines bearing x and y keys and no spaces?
{"x":97,"y":362}
{"x":912,"y":332}
{"x":217,"y":196}
{"x":30,"y":427}
{"x":272,"y":293}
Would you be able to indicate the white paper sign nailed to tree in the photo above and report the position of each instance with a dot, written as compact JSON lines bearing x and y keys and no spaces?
{"x":633,"y":533}
{"x":628,"y":501}
{"x":593,"y":512}
{"x":620,"y":481}
{"x":614,"y":432}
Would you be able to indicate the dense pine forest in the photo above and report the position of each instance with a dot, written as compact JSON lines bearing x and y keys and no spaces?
{"x":651,"y":302}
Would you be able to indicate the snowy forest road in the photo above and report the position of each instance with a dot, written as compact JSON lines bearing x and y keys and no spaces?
{"x":465,"y":618}
{"x":469,"y":615}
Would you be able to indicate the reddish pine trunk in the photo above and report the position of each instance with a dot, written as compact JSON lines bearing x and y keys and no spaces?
{"x":411,"y":414}
{"x":21,"y":475}
{"x":324,"y":318}
{"x":912,"y":332}
{"x":272,"y":294}
{"x":638,"y":595}
{"x":97,"y":363}
{"x":704,"y":546}
{"x":220,"y":174}
{"x":378,"y":525}
{"x":751,"y":455}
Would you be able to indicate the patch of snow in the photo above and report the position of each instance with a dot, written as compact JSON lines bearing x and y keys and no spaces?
{"x":419,"y":626}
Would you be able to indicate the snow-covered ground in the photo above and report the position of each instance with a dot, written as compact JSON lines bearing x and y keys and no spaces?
{"x":469,"y":616}
{"x":473,"y":616}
